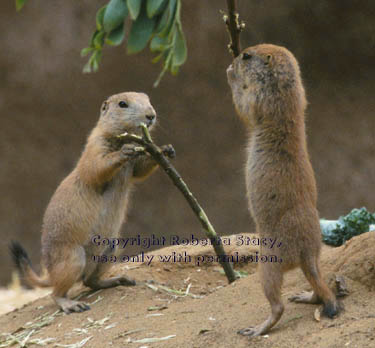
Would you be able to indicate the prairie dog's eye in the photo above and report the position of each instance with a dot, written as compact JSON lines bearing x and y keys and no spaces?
{"x":123,"y":104}
{"x":246,"y":56}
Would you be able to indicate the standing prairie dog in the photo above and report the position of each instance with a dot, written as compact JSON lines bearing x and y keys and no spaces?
{"x":92,"y":200}
{"x":269,"y":96}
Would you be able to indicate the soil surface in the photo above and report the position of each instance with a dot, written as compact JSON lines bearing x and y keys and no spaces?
{"x":193,"y":306}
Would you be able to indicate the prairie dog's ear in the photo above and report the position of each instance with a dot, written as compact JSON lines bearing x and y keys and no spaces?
{"x":268,"y":59}
{"x":104,"y":107}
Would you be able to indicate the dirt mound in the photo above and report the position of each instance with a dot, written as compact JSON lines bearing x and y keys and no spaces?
{"x":177,"y":304}
{"x":356,"y":259}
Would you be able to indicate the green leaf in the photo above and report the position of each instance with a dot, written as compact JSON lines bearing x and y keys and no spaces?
{"x":93,"y":63}
{"x":169,"y":40}
{"x":100,"y":17}
{"x":167,"y":65}
{"x":171,"y":18}
{"x":162,"y":21}
{"x":134,"y":8}
{"x":96,"y":32}
{"x":87,"y":68}
{"x":174,"y":69}
{"x":86,"y":51}
{"x":114,"y":15}
{"x":140,"y":32}
{"x":158,"y":43}
{"x":99,"y":39}
{"x":20,"y":4}
{"x":154,"y":7}
{"x":97,"y":55}
{"x":157,"y":58}
{"x":163,"y":55}
{"x":116,"y":37}
{"x":180,"y":49}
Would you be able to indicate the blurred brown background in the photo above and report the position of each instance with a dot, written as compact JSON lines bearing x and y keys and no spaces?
{"x":48,"y":107}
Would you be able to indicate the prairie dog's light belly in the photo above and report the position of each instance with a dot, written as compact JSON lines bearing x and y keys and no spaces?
{"x":269,"y":182}
{"x":113,"y":206}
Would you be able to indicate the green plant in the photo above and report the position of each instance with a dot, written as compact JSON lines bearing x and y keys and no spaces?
{"x":356,"y":222}
{"x":157,"y":22}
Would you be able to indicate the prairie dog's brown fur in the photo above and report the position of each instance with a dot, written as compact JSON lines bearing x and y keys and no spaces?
{"x":269,"y":96}
{"x":90,"y":201}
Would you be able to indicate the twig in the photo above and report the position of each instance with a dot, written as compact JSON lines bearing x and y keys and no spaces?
{"x":159,"y":157}
{"x":234,"y":27}
{"x":174,"y":292}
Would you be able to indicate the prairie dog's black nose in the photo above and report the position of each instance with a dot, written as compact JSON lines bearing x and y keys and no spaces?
{"x":150,"y":117}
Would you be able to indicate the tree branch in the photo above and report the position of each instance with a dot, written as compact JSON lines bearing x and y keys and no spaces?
{"x":158,"y":156}
{"x":234,"y":27}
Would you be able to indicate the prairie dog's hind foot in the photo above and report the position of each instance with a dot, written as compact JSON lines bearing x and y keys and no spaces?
{"x":263,"y":328}
{"x":71,"y":306}
{"x":125,"y":281}
{"x":249,"y":331}
{"x":253,"y":331}
{"x":331,"y":309}
{"x":97,"y":284}
{"x":305,"y":297}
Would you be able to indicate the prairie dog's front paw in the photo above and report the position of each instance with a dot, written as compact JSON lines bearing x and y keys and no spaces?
{"x":131,"y":150}
{"x":168,"y":151}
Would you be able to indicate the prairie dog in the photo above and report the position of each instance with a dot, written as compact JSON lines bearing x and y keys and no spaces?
{"x":92,"y":200}
{"x":269,"y":96}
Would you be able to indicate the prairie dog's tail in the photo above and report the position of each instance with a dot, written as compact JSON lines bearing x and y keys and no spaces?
{"x":23,"y":264}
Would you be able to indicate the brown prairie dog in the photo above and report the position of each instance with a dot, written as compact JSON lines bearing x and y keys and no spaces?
{"x":269,"y":96}
{"x":92,"y":200}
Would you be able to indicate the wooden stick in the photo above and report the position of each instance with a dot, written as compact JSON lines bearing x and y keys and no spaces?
{"x":234,"y":27}
{"x":159,"y":157}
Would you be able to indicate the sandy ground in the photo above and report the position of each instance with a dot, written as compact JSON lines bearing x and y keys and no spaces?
{"x":191,"y":306}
